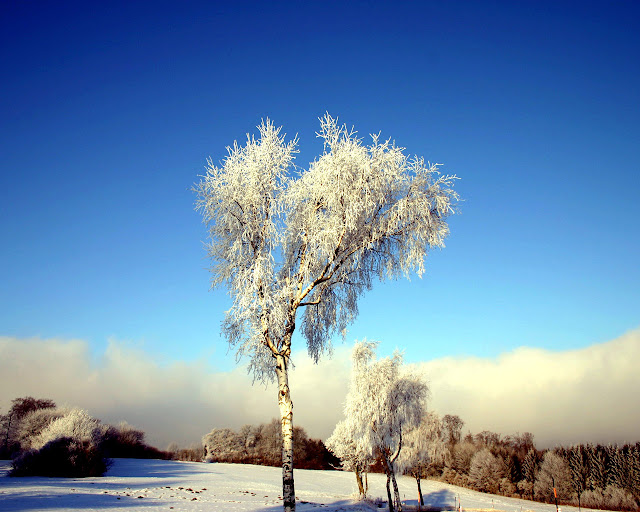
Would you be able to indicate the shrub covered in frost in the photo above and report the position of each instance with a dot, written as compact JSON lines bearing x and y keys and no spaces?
{"x":62,"y":457}
{"x":68,"y":446}
{"x":75,"y":424}
{"x":223,"y":444}
{"x":194,"y":453}
{"x":34,"y":423}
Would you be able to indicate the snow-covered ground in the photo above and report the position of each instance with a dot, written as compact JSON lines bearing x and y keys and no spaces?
{"x":156,"y":485}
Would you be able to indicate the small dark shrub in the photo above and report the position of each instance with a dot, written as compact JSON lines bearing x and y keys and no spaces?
{"x":62,"y":457}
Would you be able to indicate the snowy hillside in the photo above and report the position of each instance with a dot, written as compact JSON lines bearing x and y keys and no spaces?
{"x":155,"y":485}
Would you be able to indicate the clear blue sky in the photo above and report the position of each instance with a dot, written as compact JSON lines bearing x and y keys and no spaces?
{"x":108,"y":111}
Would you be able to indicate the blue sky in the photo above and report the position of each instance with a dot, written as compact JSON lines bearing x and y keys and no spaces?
{"x":109,"y":111}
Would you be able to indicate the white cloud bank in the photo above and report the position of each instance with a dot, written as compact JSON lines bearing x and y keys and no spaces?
{"x":589,"y":394}
{"x":586,"y":395}
{"x":180,"y":402}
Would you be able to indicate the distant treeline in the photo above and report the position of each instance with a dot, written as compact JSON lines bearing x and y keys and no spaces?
{"x":43,"y":439}
{"x":594,"y":476}
{"x":588,"y":475}
{"x":262,"y":444}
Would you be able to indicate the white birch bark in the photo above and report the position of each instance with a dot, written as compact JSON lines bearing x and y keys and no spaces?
{"x":286,"y":417}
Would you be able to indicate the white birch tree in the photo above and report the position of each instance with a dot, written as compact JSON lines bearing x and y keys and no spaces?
{"x":383,"y":403}
{"x":354,"y":457}
{"x":303,"y":246}
{"x":423,"y":446}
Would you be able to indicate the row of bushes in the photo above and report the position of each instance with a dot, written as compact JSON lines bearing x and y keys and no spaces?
{"x":44,"y":440}
{"x":262,"y":444}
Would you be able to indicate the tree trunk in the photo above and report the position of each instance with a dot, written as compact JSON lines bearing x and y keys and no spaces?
{"x":360,"y":486}
{"x":389,"y":493}
{"x":396,"y":493}
{"x":391,"y":476}
{"x":286,"y":418}
{"x":420,"y":499}
{"x":390,"y":462}
{"x":6,"y":437}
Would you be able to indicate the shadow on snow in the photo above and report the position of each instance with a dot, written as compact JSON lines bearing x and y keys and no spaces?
{"x":153,"y":468}
{"x":339,"y":505}
{"x":24,"y":501}
{"x":443,"y":499}
{"x":433,"y":501}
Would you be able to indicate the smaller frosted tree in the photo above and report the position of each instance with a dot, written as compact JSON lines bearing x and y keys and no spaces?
{"x":486,"y":471}
{"x":554,"y":474}
{"x":354,"y":458}
{"x":384,"y":401}
{"x":452,"y":424}
{"x":530,"y":467}
{"x":223,"y":444}
{"x":422,"y":447}
{"x":10,"y":422}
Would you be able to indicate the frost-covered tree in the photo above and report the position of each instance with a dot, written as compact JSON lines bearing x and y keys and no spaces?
{"x":633,"y":470}
{"x":222,"y":444}
{"x":76,"y":424}
{"x":32,"y":425}
{"x":10,"y":422}
{"x":423,"y":446}
{"x":530,"y":467}
{"x":486,"y":471}
{"x":301,"y":248}
{"x":597,"y":467}
{"x":384,"y":402}
{"x":461,"y":457}
{"x":354,"y":457}
{"x":577,"y":460}
{"x":453,"y":427}
{"x":553,"y":478}
{"x":615,"y":466}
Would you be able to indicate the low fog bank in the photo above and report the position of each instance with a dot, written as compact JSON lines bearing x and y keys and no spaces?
{"x":585,"y":395}
{"x":563,"y":397}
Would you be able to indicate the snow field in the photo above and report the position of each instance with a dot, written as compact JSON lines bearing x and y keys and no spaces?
{"x":157,"y":485}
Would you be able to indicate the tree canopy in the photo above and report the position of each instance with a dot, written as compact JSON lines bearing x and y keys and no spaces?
{"x":282,"y":239}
